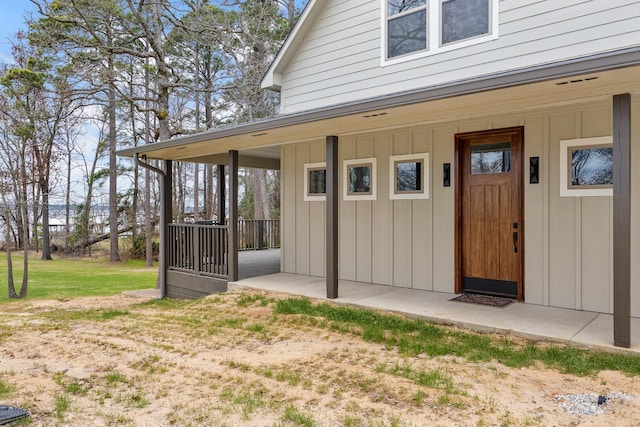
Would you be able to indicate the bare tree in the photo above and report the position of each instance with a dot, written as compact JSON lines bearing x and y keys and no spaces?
{"x":13,"y":185}
{"x":38,"y":86}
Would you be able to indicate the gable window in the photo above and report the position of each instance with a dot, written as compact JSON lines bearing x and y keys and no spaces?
{"x":407,"y":26}
{"x":424,"y":27}
{"x":463,"y":19}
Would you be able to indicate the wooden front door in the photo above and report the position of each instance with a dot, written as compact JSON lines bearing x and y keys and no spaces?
{"x":489,"y":226}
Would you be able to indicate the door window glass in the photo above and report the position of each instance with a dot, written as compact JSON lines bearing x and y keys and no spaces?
{"x":490,"y":158}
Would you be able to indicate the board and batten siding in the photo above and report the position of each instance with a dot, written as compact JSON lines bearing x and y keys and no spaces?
{"x":339,"y":58}
{"x":410,"y":243}
{"x":382,"y":241}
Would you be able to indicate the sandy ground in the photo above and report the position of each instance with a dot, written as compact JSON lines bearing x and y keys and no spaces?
{"x":226,"y":361}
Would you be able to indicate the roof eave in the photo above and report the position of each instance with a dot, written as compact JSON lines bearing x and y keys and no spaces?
{"x":590,"y":64}
{"x":272,"y":78}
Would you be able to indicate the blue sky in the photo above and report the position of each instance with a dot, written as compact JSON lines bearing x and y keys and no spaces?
{"x":12,"y":18}
{"x":12,"y":14}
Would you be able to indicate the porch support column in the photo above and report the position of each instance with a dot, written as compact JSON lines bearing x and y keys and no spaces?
{"x":332,"y":217}
{"x":622,"y":220}
{"x":221,"y":205}
{"x":166,"y":217}
{"x":232,"y":226}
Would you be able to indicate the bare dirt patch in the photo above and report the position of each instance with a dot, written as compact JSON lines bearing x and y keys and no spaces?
{"x":229,"y":360}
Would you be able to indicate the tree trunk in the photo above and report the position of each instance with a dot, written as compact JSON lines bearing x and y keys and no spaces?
{"x":67,"y":213}
{"x":114,"y":255}
{"x":162,"y":112}
{"x":88,"y":201}
{"x":11,"y":289}
{"x":291,"y":10}
{"x":136,"y":173}
{"x":89,"y":242}
{"x":25,"y":262}
{"x":34,"y":225}
{"x":196,"y":166}
{"x":46,"y":239}
{"x":20,"y":243}
{"x":260,"y":199}
{"x":196,"y":192}
{"x":23,"y":212}
{"x":148,"y":228}
{"x":209,"y":203}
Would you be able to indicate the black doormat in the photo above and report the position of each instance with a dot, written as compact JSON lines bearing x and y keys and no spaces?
{"x":483,"y":300}
{"x":9,"y":414}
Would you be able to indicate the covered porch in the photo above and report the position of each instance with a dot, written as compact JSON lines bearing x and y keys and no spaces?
{"x":571,"y":327}
{"x":531,"y":90}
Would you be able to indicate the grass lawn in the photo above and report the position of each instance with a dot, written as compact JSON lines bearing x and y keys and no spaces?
{"x":247,"y":358}
{"x":69,"y":278}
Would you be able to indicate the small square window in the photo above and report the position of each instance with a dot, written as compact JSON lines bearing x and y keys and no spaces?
{"x":586,"y":167}
{"x":315,"y":182}
{"x":591,"y":166}
{"x":410,"y":176}
{"x":360,"y":179}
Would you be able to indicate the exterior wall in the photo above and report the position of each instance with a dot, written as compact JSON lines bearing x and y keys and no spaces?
{"x":410,"y":243}
{"x":339,"y":58}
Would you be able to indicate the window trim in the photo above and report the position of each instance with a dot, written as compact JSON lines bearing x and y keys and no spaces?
{"x":567,"y":190}
{"x":313,"y":197}
{"x":370,"y":195}
{"x":422,"y":158}
{"x":434,"y":33}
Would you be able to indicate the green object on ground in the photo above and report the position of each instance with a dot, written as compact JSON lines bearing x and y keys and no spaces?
{"x":71,"y":278}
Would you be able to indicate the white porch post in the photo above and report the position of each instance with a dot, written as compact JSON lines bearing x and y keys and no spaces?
{"x":622,"y":220}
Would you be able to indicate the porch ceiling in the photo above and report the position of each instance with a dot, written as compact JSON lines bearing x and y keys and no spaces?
{"x":258,"y":142}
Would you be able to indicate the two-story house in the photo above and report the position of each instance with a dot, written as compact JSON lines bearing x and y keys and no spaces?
{"x":486,"y":146}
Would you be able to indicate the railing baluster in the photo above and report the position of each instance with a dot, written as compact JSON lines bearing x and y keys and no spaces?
{"x":203,"y":248}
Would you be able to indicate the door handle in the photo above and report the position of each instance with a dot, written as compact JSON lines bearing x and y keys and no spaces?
{"x":515,"y":242}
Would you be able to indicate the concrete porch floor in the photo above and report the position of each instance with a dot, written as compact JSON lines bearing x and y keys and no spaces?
{"x":537,"y":322}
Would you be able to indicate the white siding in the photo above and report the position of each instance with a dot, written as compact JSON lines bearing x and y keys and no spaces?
{"x":339,"y":58}
{"x":410,"y":243}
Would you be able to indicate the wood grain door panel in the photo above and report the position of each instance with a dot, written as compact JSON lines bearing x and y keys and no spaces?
{"x":489,"y":212}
